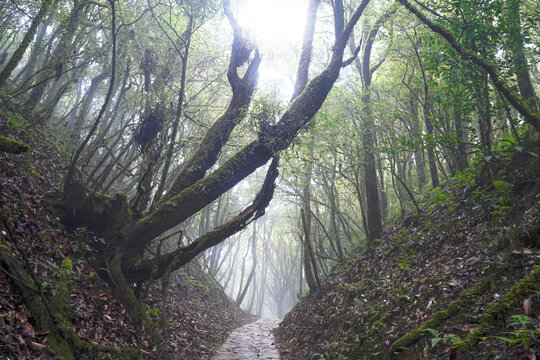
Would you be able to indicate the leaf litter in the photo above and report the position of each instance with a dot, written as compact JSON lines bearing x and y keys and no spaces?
{"x":196,"y":322}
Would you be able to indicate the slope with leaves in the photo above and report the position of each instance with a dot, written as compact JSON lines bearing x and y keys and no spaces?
{"x":459,"y":280}
{"x":81,"y":318}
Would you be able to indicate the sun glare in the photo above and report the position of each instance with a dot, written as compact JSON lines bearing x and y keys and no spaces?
{"x":277,"y":27}
{"x":273,"y":21}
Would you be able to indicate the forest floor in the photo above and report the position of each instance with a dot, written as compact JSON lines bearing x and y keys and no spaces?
{"x":193,"y":315}
{"x":460,"y":280}
{"x":251,"y":341}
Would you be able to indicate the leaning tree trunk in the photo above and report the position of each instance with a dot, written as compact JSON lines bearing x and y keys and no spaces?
{"x":195,"y":187}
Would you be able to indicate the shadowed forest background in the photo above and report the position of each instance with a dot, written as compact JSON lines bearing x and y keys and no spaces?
{"x":166,"y":163}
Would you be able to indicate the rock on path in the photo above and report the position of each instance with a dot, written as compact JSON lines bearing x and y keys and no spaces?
{"x":251,"y":341}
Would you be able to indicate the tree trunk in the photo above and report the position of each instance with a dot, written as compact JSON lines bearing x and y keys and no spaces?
{"x":374,"y":220}
{"x":310,"y":265}
{"x":56,"y":63}
{"x":484,"y":113}
{"x":382,"y":186}
{"x":75,"y":128}
{"x":37,"y":49}
{"x":461,"y":161}
{"x":240,"y":298}
{"x":523,"y":76}
{"x":419,"y":159}
{"x":333,"y":199}
{"x":21,"y":49}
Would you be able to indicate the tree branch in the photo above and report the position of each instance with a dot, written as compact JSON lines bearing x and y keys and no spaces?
{"x":183,"y":255}
{"x":530,"y":117}
{"x":182,"y":204}
{"x":218,"y":134}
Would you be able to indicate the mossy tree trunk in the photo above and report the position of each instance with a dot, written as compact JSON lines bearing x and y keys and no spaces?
{"x":126,"y":235}
{"x":374,"y":220}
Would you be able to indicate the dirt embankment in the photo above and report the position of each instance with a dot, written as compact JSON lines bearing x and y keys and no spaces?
{"x":461,"y":280}
{"x":53,"y":303}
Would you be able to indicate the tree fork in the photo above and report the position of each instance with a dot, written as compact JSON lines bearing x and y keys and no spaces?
{"x":176,"y":259}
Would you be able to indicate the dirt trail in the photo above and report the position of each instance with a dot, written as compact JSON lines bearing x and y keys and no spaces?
{"x":252,"y":341}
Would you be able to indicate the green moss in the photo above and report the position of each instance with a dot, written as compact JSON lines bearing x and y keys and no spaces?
{"x":34,"y":172}
{"x":59,"y":346}
{"x":67,"y":265}
{"x":512,"y":298}
{"x":12,"y":146}
{"x":5,"y":213}
{"x":454,"y":308}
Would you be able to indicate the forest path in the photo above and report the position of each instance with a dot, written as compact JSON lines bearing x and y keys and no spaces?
{"x":251,"y":341}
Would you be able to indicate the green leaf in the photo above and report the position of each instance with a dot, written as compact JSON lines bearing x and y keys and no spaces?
{"x":508,"y":340}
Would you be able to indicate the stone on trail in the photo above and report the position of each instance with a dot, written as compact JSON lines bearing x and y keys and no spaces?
{"x":251,"y":341}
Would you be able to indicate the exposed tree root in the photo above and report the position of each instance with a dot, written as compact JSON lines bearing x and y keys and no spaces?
{"x":50,"y":316}
{"x":454,"y":308}
{"x":509,"y":300}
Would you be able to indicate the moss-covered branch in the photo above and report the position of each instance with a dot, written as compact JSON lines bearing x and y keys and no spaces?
{"x":218,"y":134}
{"x":440,"y":316}
{"x":176,"y":259}
{"x":12,"y":146}
{"x":511,"y":299}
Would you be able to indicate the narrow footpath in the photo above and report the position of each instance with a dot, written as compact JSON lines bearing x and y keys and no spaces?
{"x":251,"y":341}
